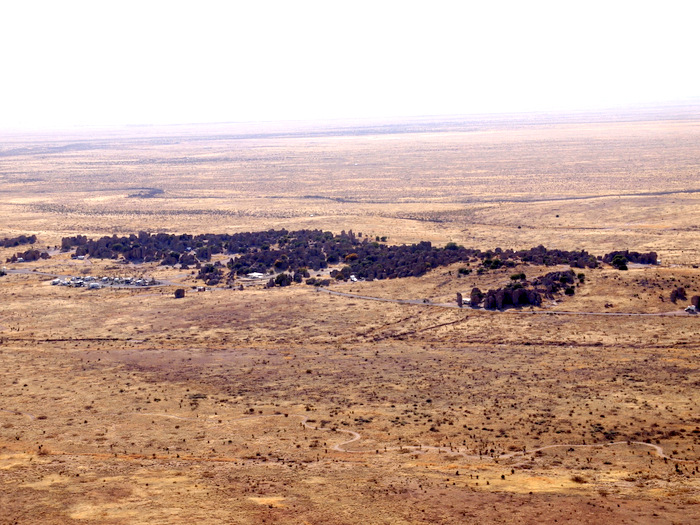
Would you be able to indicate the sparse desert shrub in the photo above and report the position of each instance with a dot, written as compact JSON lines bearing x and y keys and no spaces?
{"x":678,"y":294}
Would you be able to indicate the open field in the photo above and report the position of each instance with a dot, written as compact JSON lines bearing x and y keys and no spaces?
{"x":291,"y":405}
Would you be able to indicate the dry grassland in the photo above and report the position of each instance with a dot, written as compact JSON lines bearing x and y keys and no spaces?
{"x":291,"y":405}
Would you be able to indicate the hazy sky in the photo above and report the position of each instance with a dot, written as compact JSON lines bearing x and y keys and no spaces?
{"x":118,"y":62}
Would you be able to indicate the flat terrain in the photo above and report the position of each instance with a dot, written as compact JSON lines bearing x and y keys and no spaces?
{"x":291,"y":405}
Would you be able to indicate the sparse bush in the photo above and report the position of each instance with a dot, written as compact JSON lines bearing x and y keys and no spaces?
{"x":678,"y":294}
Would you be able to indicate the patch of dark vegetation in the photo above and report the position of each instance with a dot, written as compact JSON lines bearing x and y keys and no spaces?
{"x":624,"y":257}
{"x":678,"y":293}
{"x":525,"y":293}
{"x":28,"y":256}
{"x":11,"y":242}
{"x":146,"y":193}
{"x":297,"y":252}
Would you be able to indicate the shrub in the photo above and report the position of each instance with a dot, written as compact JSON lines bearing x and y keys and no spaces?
{"x":678,"y":293}
{"x":283,"y":279}
{"x":619,"y":262}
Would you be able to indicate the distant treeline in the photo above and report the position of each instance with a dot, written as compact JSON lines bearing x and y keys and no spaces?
{"x":303,"y":250}
{"x":8,"y":242}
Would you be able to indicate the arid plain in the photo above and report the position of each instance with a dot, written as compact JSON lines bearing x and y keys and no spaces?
{"x":296,"y":405}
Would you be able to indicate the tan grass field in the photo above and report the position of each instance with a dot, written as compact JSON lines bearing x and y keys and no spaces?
{"x":289,"y":405}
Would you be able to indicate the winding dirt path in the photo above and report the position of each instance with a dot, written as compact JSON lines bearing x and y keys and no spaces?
{"x":339,"y":447}
{"x":455,"y":451}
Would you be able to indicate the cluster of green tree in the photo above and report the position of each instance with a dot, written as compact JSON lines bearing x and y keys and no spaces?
{"x":285,"y":279}
{"x":526,"y":293}
{"x":541,"y":256}
{"x":145,"y":247}
{"x":11,"y":242}
{"x":211,"y":274}
{"x":318,"y":282}
{"x":29,"y":255}
{"x":283,"y":251}
{"x":619,"y":259}
{"x":371,"y":260}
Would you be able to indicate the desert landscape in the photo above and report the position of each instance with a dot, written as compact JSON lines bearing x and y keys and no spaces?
{"x":325,"y":372}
